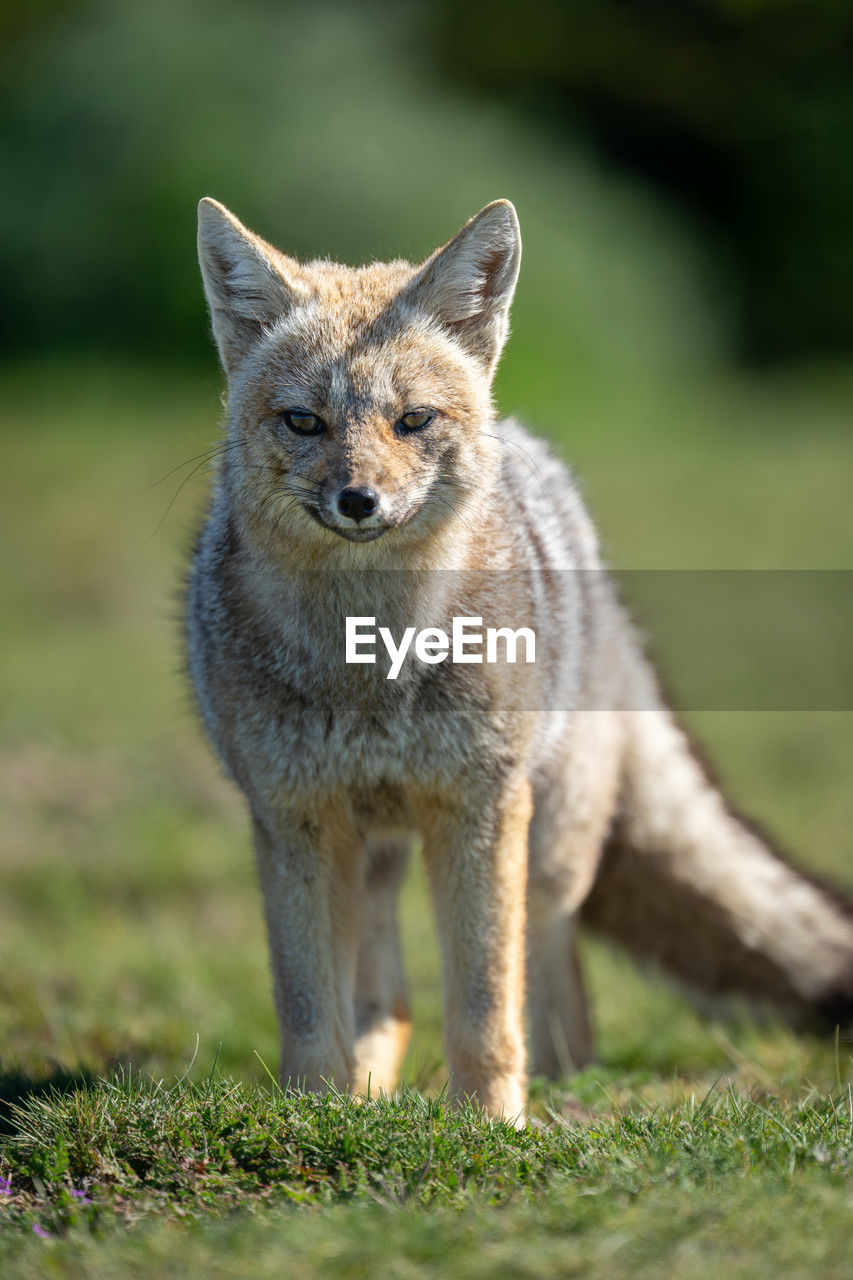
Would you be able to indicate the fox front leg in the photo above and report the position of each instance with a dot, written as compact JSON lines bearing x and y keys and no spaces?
{"x":382,"y":1022}
{"x":476,"y":851}
{"x":310,"y":868}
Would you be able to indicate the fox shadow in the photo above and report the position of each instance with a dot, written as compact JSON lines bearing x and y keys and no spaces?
{"x":18,"y":1087}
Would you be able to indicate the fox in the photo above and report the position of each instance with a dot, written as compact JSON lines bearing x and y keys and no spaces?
{"x":365,"y":473}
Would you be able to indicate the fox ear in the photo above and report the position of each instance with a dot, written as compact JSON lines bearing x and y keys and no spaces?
{"x":468,"y":284}
{"x":248,"y":283}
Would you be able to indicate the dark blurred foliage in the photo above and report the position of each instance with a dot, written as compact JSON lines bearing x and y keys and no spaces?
{"x":117,"y":116}
{"x":741,"y":109}
{"x":334,"y":119}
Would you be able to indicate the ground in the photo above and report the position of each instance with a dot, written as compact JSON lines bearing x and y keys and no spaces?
{"x":133,"y":969}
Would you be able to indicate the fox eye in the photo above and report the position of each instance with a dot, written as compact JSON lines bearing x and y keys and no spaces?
{"x":303,"y":422}
{"x":416,"y":419}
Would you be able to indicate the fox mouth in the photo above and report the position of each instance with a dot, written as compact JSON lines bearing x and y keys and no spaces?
{"x":358,"y":535}
{"x":354,"y":534}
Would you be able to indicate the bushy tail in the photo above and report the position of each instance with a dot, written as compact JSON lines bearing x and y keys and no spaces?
{"x":688,"y":885}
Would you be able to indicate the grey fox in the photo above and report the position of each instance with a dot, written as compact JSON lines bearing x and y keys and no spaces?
{"x":365,"y":474}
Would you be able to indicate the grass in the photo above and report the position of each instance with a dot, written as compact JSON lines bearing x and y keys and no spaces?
{"x":132,"y":941}
{"x":135,"y":1008}
{"x":245,"y":1171}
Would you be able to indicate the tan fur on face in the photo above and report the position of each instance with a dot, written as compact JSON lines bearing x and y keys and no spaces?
{"x":353,"y":346}
{"x":568,"y":787}
{"x":332,"y":371}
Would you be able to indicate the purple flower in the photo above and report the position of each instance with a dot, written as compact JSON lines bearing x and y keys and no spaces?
{"x":80,"y":1196}
{"x":38,"y":1230}
{"x":5,"y":1186}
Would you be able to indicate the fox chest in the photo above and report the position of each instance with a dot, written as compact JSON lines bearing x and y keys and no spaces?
{"x":358,"y":733}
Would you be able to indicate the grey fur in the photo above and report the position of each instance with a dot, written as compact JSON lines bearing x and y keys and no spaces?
{"x":341,"y":768}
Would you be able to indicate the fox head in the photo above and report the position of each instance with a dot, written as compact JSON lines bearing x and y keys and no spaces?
{"x":359,"y":398}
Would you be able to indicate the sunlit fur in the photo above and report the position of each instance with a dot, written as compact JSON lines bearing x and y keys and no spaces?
{"x":353,"y":346}
{"x":567,"y":789}
{"x":359,"y":368}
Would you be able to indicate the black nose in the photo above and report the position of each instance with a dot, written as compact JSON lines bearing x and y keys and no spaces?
{"x":358,"y":504}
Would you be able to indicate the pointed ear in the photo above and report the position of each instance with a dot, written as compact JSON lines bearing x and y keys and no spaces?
{"x":248,"y":283}
{"x":468,"y":284}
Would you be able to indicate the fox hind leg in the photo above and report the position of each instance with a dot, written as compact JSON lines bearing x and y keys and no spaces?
{"x":560,"y":1030}
{"x":572,"y":813}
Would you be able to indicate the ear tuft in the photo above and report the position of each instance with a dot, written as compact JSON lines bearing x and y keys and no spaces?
{"x":468,"y":284}
{"x":248,"y":284}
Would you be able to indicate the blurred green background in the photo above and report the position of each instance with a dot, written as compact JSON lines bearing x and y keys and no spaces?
{"x":682,"y":332}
